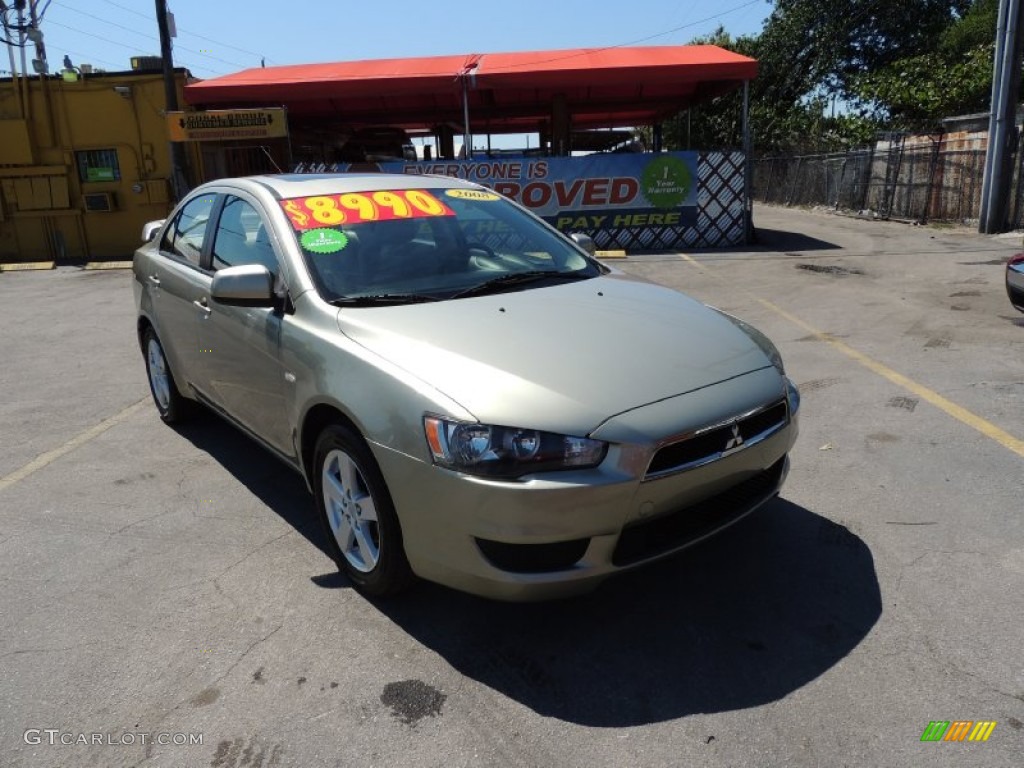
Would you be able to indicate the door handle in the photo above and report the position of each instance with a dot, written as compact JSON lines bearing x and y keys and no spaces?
{"x":154,"y":279}
{"x":201,"y":304}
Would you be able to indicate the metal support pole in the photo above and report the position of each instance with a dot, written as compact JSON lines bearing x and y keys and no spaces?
{"x":179,"y":181}
{"x":768,"y":184}
{"x":932,"y":170}
{"x":467,"y":137}
{"x":1005,"y":89}
{"x":842,"y":176}
{"x":8,"y":33}
{"x":26,"y":85}
{"x":748,"y":169}
{"x":997,"y":89}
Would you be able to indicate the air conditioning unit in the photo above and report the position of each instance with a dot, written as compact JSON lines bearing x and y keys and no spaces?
{"x":100,"y":202}
{"x":147,"y":62}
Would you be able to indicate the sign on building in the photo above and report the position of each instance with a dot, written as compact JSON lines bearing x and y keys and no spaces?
{"x":221,"y":124}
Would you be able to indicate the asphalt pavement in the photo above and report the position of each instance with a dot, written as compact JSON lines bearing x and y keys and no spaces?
{"x":166,"y":598}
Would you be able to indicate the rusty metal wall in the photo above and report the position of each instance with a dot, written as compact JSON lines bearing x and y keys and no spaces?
{"x":918,"y":181}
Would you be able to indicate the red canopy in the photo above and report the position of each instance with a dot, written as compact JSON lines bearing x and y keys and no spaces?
{"x":602,"y":87}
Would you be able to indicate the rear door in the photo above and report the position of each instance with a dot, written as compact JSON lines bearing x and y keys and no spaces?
{"x":177,"y":283}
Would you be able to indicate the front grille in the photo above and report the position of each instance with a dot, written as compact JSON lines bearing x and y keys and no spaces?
{"x":677,"y":529}
{"x":712,"y":444}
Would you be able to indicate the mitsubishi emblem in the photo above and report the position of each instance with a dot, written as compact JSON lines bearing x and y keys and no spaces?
{"x":736,"y":440}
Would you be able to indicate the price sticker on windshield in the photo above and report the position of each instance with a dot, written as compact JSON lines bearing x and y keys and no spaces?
{"x":473,"y":194}
{"x":360,"y":207}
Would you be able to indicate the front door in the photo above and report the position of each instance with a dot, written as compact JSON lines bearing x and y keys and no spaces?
{"x":240,"y":347}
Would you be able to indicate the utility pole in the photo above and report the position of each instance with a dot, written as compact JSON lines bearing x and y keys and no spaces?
{"x":9,"y":40}
{"x":1002,"y":123}
{"x":37,"y":38}
{"x":179,"y":181}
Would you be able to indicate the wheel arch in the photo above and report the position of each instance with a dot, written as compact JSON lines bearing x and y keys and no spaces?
{"x":315,"y":420}
{"x":141,"y":326}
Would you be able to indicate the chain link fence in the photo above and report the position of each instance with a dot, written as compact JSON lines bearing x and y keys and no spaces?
{"x":919,"y":181}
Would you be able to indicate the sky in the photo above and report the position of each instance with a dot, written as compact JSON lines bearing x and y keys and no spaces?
{"x":219,"y":37}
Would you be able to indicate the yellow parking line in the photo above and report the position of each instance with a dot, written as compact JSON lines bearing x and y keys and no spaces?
{"x":44,"y":459}
{"x":958,"y":412}
{"x":961,"y":414}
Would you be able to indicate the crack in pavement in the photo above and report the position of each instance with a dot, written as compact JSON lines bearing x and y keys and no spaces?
{"x":21,"y":651}
{"x":224,"y":674}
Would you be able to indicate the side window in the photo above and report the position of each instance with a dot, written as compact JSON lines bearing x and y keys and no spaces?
{"x":242,"y":237}
{"x":184,"y":238}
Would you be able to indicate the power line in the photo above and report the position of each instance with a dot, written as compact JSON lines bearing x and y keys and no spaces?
{"x":182,"y":29}
{"x":105,"y":21}
{"x":122,"y":45}
{"x":150,"y":37}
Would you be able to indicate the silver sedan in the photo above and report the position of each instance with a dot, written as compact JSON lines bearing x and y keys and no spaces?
{"x":1015,"y":281}
{"x":470,"y":396}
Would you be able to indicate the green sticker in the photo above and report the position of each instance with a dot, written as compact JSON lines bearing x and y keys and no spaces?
{"x":667,"y":182}
{"x":323,"y":240}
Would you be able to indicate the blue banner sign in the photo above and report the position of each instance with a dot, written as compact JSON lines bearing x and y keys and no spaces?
{"x":590,"y":194}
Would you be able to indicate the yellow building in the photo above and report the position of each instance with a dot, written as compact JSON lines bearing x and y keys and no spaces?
{"x":84,"y":163}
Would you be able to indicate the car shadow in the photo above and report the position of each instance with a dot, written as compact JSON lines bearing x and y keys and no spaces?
{"x":741,"y":620}
{"x":280,"y":488}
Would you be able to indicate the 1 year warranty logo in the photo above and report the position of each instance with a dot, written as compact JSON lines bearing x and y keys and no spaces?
{"x":958,"y":730}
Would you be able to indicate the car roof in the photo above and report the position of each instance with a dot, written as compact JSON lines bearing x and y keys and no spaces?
{"x":288,"y":185}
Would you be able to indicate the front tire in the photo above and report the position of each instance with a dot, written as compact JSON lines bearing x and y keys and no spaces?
{"x":169,"y":402}
{"x":363,"y":534}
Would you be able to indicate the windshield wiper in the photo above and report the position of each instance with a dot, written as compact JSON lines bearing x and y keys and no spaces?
{"x":515,"y":278}
{"x":383,"y":299}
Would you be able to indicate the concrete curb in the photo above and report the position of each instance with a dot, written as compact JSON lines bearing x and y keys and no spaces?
{"x":611,"y":254}
{"x":27,"y":266}
{"x":108,"y":265}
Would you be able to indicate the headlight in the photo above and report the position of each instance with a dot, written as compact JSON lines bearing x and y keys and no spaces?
{"x":507,"y":452}
{"x":762,"y":341}
{"x":792,"y":397}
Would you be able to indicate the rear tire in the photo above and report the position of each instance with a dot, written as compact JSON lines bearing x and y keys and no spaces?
{"x":358,"y":517}
{"x":172,"y":407}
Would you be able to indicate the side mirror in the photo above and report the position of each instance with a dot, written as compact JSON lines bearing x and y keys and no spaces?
{"x":586,"y":242}
{"x":150,"y":228}
{"x":247,"y":285}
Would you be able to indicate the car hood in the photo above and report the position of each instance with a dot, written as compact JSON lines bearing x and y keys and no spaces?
{"x":563,"y":358}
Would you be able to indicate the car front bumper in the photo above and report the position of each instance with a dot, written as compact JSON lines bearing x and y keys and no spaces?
{"x":560,"y":534}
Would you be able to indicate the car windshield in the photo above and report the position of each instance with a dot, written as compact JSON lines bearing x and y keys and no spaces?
{"x":396,"y":246}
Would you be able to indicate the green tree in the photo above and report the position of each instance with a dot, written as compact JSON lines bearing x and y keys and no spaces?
{"x":954,"y":77}
{"x":833,"y":72}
